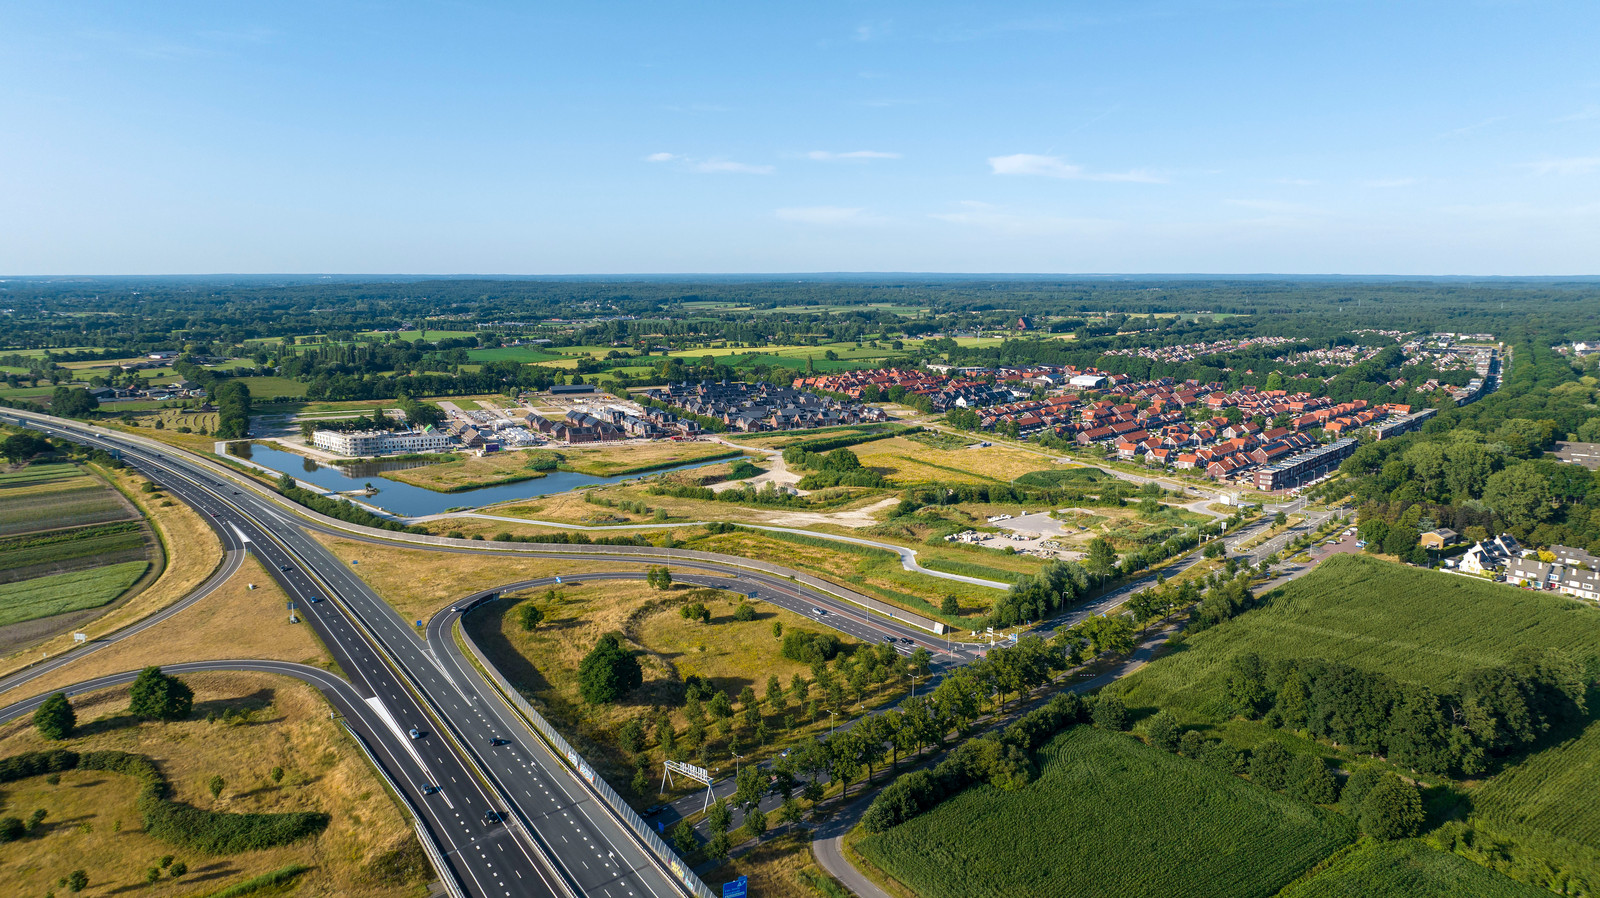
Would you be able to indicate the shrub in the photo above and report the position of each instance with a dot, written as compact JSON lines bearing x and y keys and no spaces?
{"x":156,"y":696}
{"x":745,"y":612}
{"x":1109,"y":712}
{"x":1269,"y":765}
{"x":807,"y":646}
{"x":608,"y":672}
{"x":1392,"y":809}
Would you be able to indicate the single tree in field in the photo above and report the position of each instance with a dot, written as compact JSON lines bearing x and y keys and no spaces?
{"x":608,"y":672}
{"x":215,"y":786}
{"x":529,"y":615}
{"x":77,"y":881}
{"x":55,"y":719}
{"x":156,"y":696}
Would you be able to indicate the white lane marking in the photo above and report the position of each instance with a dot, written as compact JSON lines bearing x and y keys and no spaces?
{"x":404,"y":738}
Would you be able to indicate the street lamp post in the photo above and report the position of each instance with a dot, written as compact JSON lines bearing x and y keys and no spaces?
{"x":831,"y":716}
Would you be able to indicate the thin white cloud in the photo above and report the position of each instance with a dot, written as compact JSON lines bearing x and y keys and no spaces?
{"x":1389,"y":183}
{"x":826,"y":156}
{"x":989,"y":217}
{"x":869,"y":31}
{"x":716,"y":166}
{"x":1577,"y":165}
{"x":1475,"y":126}
{"x":828,"y":215}
{"x":711,"y":166}
{"x":1585,"y":114}
{"x":1297,"y":182}
{"x":1057,"y":167}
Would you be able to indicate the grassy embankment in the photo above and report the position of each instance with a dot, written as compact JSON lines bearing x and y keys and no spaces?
{"x":368,"y":848}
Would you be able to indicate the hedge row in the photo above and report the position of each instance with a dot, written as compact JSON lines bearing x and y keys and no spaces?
{"x":824,"y":444}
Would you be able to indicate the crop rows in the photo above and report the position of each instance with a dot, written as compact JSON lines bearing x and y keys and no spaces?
{"x":61,"y":593}
{"x":1551,"y":791}
{"x":1110,"y":816}
{"x":1409,"y":868}
{"x":1412,"y":625}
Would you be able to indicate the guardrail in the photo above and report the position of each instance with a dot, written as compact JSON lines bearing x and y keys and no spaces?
{"x":594,"y":781}
{"x":429,"y":846}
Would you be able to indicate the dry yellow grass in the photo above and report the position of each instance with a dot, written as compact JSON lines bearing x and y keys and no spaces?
{"x":418,"y":582}
{"x":611,"y":459}
{"x":369,"y":847}
{"x":730,"y":654}
{"x":468,"y":471}
{"x":907,"y":461}
{"x":773,"y":867}
{"x":233,"y":622}
{"x":192,"y":552}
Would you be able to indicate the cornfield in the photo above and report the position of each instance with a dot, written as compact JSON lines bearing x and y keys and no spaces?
{"x":1110,"y":815}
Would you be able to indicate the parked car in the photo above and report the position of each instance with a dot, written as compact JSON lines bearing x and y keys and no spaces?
{"x":1361,"y":544}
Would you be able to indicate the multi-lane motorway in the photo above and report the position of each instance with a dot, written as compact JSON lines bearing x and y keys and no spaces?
{"x":557,"y":838}
{"x":508,"y":817}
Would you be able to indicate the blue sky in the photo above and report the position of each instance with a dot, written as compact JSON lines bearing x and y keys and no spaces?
{"x":1139,"y":136}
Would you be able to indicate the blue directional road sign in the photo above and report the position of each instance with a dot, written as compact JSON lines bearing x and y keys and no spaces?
{"x":739,"y":888}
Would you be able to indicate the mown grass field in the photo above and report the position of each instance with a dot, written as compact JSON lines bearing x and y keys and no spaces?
{"x":92,"y":824}
{"x":1414,"y":625}
{"x":265,"y":389}
{"x":61,"y":593}
{"x":1407,"y":868}
{"x":1110,"y":815}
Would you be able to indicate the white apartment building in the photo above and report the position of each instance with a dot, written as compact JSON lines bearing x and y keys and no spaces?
{"x":365,"y":443}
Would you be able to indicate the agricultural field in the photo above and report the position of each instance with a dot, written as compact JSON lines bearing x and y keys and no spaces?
{"x":1413,"y":625}
{"x":1110,"y":815}
{"x":1545,"y":803}
{"x":1384,"y":869}
{"x":48,"y":596}
{"x":1422,"y":627}
{"x":69,"y":542}
{"x":92,"y":823}
{"x":74,"y":498}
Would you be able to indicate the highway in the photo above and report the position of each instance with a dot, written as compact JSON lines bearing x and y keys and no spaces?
{"x":561,"y":839}
{"x":402,"y":685}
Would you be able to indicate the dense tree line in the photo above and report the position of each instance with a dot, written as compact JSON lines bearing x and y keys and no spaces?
{"x":1486,"y":716}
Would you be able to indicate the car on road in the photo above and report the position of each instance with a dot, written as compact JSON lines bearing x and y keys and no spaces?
{"x":497,"y":741}
{"x":492,"y":817}
{"x":429,"y":789}
{"x":890,"y":640}
{"x":654,"y":809}
{"x":817,"y":611}
{"x":417,"y":733}
{"x":315,"y":599}
{"x":283,"y":567}
{"x":908,"y":640}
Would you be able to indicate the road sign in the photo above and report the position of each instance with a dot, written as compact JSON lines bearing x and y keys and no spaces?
{"x":739,"y":888}
{"x":80,"y":638}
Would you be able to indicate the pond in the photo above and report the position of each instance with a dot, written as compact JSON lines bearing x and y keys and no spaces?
{"x":405,"y":500}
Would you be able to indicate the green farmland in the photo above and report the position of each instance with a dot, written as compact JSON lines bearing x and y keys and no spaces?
{"x":1413,"y":625}
{"x":61,"y":593}
{"x":1110,"y":815}
{"x":55,"y":496}
{"x":1409,"y":868}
